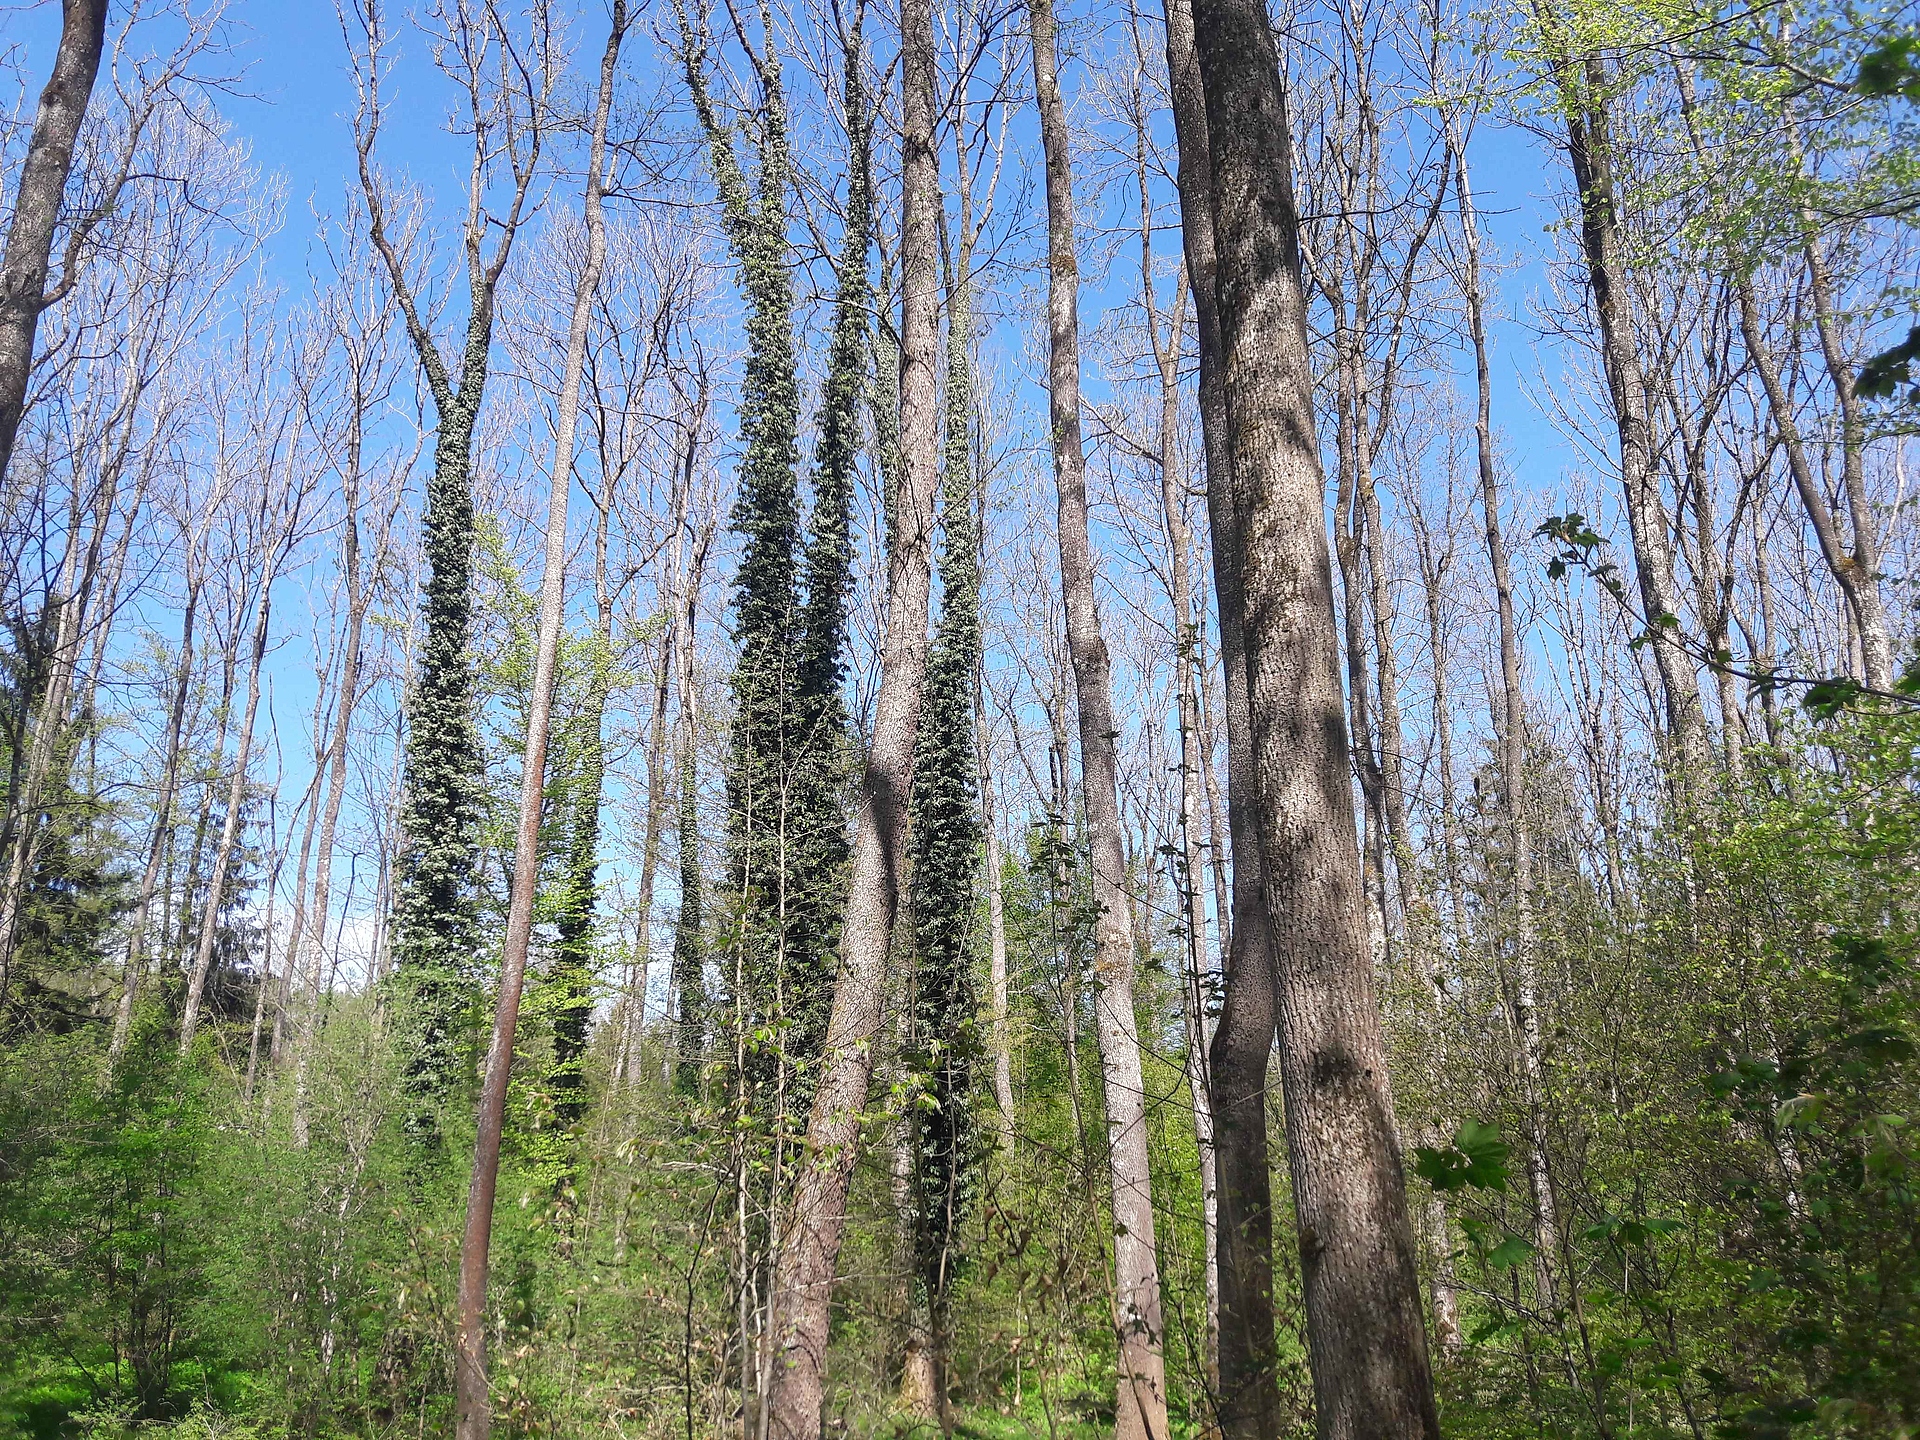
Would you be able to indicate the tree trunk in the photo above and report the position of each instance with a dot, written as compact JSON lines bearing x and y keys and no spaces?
{"x":37,"y":204}
{"x":815,"y":1223}
{"x":1141,"y":1399}
{"x":1367,"y":1339}
{"x":473,"y":1402}
{"x":1248,"y":1401}
{"x":1589,"y":149}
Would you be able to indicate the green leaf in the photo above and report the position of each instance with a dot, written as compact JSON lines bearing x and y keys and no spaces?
{"x":1477,"y":1159}
{"x":1892,"y":68}
{"x":1509,"y":1252}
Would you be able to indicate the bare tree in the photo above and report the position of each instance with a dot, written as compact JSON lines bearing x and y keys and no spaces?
{"x":472,"y":1398}
{"x":284,"y":484}
{"x":1141,"y":1400}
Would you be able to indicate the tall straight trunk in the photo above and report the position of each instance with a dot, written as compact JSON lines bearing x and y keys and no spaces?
{"x":1513,"y":726}
{"x":1141,"y":1398}
{"x":1512,"y":730}
{"x":815,"y":1223}
{"x":1247,"y":1405}
{"x":1367,"y":1343}
{"x":1590,"y":151}
{"x":36,"y":208}
{"x":473,"y":1400}
{"x":1186,"y":639}
{"x":162,"y":816}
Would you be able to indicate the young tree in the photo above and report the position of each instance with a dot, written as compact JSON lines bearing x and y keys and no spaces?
{"x":1366,"y":1330}
{"x":1141,"y":1399}
{"x":473,"y":1398}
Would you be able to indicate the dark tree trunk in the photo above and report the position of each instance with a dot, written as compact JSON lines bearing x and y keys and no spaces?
{"x":1366,"y":1332}
{"x":36,"y":206}
{"x":1248,"y":1405}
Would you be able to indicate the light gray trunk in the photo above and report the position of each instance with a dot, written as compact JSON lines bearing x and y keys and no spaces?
{"x":1141,"y":1395}
{"x":815,"y":1223}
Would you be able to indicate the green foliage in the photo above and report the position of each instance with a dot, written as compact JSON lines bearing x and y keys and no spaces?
{"x":435,"y":935}
{"x":1477,"y":1158}
{"x":1891,"y":68}
{"x":1724,"y":1136}
{"x":943,"y":892}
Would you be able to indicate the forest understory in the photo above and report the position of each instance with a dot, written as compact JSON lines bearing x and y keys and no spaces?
{"x":1178,"y":723}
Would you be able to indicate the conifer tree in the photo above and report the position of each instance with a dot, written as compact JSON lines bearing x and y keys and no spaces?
{"x":945,"y":863}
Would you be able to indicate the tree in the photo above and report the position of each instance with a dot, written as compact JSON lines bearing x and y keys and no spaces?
{"x":506,"y":82}
{"x":1141,"y":1400}
{"x":1249,"y":1400}
{"x":1366,"y":1331}
{"x":815,"y":1222}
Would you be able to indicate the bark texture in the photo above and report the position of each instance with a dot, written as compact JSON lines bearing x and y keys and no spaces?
{"x":812,"y":1229}
{"x":1248,"y":1399}
{"x":1366,"y":1332}
{"x":37,"y":203}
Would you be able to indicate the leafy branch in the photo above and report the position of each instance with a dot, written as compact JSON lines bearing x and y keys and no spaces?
{"x":1579,"y":547}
